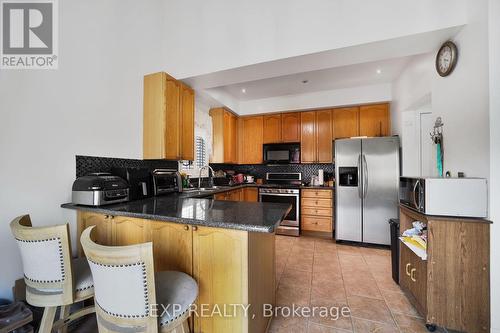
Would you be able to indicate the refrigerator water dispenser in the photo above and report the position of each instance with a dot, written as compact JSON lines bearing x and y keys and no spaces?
{"x":348,"y":176}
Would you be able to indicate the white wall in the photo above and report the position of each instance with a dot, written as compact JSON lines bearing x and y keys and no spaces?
{"x":91,"y":105}
{"x":461,"y":99}
{"x":319,"y":99}
{"x":494,"y":61}
{"x":229,"y":34}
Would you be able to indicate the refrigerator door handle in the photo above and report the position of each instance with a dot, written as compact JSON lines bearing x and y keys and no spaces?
{"x":360,"y":190}
{"x":365,"y":177}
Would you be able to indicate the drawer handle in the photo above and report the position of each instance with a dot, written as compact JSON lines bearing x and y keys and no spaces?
{"x":407,"y":269}
{"x":412,"y":275}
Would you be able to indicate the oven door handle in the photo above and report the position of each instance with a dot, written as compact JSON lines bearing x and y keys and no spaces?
{"x":280,"y":194}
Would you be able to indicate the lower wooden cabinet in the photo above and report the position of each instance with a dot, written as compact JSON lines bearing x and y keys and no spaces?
{"x":251,"y":194}
{"x":317,"y":210}
{"x":242,"y":194}
{"x":413,"y":276}
{"x":451,"y":288}
{"x":128,"y":231}
{"x":230,"y":266}
{"x":172,"y":246}
{"x":102,"y":230}
{"x":219,"y":262}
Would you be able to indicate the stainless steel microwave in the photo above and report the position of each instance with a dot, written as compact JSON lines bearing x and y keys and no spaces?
{"x":461,"y":197}
{"x":281,"y":153}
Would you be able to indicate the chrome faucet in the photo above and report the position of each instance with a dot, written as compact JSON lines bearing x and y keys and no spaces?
{"x":210,"y":176}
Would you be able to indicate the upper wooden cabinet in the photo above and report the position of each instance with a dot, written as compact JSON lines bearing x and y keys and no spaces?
{"x":308,"y":137}
{"x":316,"y":136}
{"x":224,"y":136}
{"x":187,"y":123}
{"x":290,"y":127}
{"x":374,"y":120}
{"x":324,"y":153}
{"x":250,"y":148}
{"x":168,"y":124}
{"x":272,"y":128}
{"x":345,"y":122}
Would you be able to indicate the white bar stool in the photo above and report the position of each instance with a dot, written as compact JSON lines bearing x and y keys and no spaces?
{"x":127,"y":290}
{"x":52,"y":278}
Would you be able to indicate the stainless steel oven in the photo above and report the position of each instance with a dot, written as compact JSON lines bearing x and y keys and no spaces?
{"x":291,"y":224}
{"x":283,"y":187}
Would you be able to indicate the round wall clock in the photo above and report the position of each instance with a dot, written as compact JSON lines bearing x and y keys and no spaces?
{"x":446,"y":58}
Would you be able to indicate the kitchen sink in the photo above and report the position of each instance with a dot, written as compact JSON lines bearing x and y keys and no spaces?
{"x":205,"y":189}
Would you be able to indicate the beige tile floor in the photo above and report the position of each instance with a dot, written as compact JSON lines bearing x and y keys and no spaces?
{"x":316,"y":272}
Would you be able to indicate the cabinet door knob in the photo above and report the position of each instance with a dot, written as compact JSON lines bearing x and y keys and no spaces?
{"x":195,"y":228}
{"x":106,"y":217}
{"x":412,"y":274}
{"x":186,"y":227}
{"x":407,"y":269}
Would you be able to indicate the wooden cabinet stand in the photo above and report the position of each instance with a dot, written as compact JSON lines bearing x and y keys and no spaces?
{"x":452,"y":287}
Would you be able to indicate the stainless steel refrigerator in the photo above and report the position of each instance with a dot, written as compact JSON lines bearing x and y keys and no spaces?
{"x":367,"y":182}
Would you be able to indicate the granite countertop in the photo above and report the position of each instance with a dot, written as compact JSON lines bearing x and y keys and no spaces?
{"x":193,"y":210}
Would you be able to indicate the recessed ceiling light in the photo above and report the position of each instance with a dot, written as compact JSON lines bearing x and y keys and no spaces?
{"x":379,"y":71}
{"x":305,"y":81}
{"x":244,"y":90}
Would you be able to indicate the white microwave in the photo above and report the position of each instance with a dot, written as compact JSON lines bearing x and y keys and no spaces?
{"x":460,"y":197}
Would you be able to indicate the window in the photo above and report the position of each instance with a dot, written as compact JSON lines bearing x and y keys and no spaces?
{"x":200,"y":156}
{"x":201,"y":152}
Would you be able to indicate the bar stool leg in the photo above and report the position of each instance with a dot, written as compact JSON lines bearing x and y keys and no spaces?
{"x":47,"y":319}
{"x":63,"y":313}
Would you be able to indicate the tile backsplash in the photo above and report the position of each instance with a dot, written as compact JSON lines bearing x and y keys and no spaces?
{"x":89,"y":164}
{"x":260,"y":170}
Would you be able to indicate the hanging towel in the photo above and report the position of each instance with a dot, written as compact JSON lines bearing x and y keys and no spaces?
{"x":439,"y":159}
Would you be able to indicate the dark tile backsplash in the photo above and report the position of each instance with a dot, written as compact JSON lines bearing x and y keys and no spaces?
{"x":89,"y":164}
{"x":260,"y":170}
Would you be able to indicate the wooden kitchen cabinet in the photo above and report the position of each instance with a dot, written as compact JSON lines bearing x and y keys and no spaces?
{"x":374,"y":120}
{"x":219,"y":263}
{"x":290,"y":127}
{"x":414,"y":277}
{"x":230,"y":266}
{"x":251,"y":194}
{"x":324,"y":152}
{"x":102,"y":230}
{"x":308,"y":137}
{"x":451,"y":288}
{"x":317,"y":211}
{"x":187,"y":123}
{"x":168,"y":118}
{"x":345,"y":122}
{"x":127,"y":231}
{"x":251,"y":140}
{"x":316,"y":137}
{"x":224,"y":136}
{"x":272,"y":128}
{"x":172,"y":246}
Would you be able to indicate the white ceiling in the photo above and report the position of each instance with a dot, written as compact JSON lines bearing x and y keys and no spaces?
{"x":363,"y":74}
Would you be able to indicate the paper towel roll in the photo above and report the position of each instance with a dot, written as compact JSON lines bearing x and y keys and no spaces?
{"x":320,"y":177}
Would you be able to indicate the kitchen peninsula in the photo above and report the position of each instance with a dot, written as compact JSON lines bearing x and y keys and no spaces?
{"x":228,"y":247}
